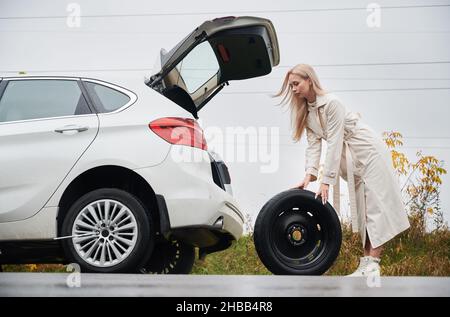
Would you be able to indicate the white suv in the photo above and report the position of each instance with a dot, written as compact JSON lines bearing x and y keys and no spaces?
{"x":119,"y":179}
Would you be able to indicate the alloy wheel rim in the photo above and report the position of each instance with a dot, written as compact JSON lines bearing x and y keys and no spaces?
{"x":106,"y":232}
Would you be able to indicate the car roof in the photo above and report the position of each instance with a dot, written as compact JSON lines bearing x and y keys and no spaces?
{"x":128,"y":81}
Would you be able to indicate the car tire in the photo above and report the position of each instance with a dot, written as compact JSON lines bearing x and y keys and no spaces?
{"x":118,"y":234}
{"x":170,"y":257}
{"x":295,"y":234}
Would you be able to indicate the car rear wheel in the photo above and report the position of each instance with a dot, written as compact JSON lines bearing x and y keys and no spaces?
{"x":110,"y":232}
{"x":296,"y":234}
{"x":170,"y":257}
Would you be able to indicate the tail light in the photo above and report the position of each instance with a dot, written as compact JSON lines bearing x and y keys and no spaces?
{"x":182,"y":131}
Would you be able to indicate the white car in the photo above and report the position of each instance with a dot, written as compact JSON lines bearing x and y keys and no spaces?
{"x":119,"y":179}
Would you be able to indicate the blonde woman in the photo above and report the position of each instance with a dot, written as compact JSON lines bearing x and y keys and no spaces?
{"x":354,"y":152}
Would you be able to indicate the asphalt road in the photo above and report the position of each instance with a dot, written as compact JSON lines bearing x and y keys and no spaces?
{"x":55,"y":284}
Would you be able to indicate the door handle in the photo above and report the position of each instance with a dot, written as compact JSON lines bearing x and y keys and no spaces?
{"x":69,"y":128}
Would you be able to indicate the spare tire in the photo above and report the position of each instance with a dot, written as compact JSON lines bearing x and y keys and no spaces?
{"x":296,"y":234}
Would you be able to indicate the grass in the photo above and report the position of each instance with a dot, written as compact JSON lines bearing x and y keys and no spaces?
{"x":412,"y":253}
{"x":406,"y":255}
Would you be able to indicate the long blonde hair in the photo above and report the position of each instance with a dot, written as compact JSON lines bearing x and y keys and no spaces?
{"x":298,"y":106}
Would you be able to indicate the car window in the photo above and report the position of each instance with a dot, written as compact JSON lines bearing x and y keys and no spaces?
{"x":198,"y":66}
{"x":106,"y":99}
{"x":35,"y":99}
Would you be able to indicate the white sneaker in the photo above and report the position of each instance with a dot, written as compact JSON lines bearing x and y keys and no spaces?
{"x":368,"y":266}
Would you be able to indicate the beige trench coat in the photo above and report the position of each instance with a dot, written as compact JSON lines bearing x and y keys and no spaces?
{"x":356,"y":153}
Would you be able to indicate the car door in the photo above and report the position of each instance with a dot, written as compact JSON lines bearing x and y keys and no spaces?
{"x":216,"y":52}
{"x":45,"y":126}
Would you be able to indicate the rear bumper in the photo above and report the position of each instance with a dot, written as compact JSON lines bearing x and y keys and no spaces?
{"x":194,"y":201}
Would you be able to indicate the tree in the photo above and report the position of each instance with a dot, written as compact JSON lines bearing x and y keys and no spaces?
{"x":422,"y":186}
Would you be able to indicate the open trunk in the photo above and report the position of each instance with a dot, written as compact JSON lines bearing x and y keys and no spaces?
{"x":224,"y":49}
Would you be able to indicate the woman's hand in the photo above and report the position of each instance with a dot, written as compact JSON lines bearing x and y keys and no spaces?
{"x":323,"y":192}
{"x":305,"y":182}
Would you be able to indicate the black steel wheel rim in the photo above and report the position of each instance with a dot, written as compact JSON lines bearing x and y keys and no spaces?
{"x":298,"y":236}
